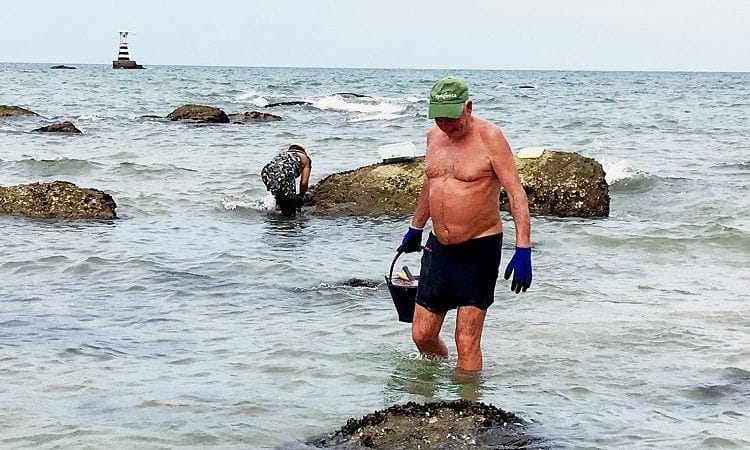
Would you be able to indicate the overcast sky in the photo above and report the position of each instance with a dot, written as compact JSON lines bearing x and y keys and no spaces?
{"x":693,"y":35}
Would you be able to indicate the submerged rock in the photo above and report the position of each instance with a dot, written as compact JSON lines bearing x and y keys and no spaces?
{"x":59,"y":127}
{"x":11,"y":111}
{"x":557,"y":183}
{"x":253,"y":116}
{"x":359,"y":282}
{"x":457,"y":424}
{"x":199,"y":114}
{"x":56,"y":200}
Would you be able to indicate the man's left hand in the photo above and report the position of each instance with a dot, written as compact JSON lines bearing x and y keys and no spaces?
{"x":520,"y":266}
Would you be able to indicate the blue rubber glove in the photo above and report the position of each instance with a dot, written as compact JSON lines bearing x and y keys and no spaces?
{"x":412,"y":241}
{"x":520,"y":265}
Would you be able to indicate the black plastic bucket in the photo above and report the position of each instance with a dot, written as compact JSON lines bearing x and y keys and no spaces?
{"x":403,"y":294}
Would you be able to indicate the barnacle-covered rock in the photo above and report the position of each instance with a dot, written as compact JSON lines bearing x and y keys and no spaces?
{"x":459,"y":424}
{"x":562,"y":184}
{"x":56,"y":200}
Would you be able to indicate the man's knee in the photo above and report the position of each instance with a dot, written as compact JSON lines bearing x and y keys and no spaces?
{"x":422,"y":336}
{"x":468,"y":340}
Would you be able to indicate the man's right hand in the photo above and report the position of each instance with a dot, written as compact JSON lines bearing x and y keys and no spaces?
{"x":412,"y":241}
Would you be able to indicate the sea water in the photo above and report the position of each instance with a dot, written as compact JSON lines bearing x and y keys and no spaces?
{"x":200,"y":318}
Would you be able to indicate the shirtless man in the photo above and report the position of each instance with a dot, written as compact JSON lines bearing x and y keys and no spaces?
{"x":466,"y":163}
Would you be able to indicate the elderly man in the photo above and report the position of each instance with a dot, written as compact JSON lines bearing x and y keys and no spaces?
{"x":467,"y":161}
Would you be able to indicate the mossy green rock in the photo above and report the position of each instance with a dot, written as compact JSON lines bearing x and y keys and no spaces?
{"x":562,"y":184}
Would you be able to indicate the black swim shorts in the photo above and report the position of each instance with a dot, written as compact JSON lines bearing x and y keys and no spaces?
{"x":463,"y":274}
{"x":287,"y":204}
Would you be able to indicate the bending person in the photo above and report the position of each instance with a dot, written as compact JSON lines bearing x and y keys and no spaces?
{"x":280,"y":175}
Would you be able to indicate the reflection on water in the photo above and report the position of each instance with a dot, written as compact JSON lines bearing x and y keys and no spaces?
{"x":285,"y":232}
{"x":469,"y":383}
{"x":432,"y":379}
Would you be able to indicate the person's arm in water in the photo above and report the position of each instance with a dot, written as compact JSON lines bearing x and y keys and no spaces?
{"x":304,"y":174}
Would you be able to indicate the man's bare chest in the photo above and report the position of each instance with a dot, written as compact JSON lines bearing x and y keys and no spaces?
{"x":459,"y":164}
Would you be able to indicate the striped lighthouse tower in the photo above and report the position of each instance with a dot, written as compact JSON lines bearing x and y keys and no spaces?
{"x":123,"y":57}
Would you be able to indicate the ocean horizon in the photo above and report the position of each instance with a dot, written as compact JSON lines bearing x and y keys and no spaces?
{"x":446,"y":69}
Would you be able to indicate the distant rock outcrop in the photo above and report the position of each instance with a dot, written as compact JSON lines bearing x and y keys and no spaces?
{"x":59,"y":127}
{"x":56,"y":200}
{"x":557,"y":184}
{"x":351,"y":95}
{"x":199,"y":114}
{"x":290,"y":103}
{"x":253,"y":116}
{"x":62,"y":66}
{"x":11,"y":111}
{"x":126,"y":65}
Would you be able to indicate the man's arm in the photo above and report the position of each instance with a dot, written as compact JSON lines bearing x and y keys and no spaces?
{"x":519,"y":209}
{"x":305,"y":175}
{"x":505,"y":168}
{"x":412,"y":241}
{"x":422,"y":210}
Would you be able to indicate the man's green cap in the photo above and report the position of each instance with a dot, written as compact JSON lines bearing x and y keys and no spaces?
{"x":447,"y":98}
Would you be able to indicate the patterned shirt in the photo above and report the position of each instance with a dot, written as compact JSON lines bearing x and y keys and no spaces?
{"x":280,"y":173}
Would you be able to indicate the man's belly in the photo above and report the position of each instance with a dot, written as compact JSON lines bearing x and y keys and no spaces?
{"x":462,"y":211}
{"x":455,"y":227}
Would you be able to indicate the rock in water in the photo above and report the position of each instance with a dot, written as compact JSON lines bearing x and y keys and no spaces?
{"x":457,"y":424}
{"x":56,"y":200}
{"x":199,"y":114}
{"x":563,"y":184}
{"x":253,"y":116}
{"x":10,"y":111}
{"x":59,"y":127}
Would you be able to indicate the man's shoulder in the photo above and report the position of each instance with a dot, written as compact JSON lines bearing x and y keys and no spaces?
{"x":490,"y":135}
{"x":433,"y":129}
{"x":485,"y":126}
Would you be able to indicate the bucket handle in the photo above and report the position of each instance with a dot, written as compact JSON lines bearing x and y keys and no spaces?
{"x":398,"y":253}
{"x":390,"y":273}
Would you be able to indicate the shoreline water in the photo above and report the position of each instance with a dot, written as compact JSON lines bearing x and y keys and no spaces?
{"x":189,"y":322}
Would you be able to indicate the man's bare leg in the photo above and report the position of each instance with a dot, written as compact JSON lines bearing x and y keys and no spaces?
{"x":469,"y":325}
{"x":425,"y":332}
{"x":469,"y":383}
